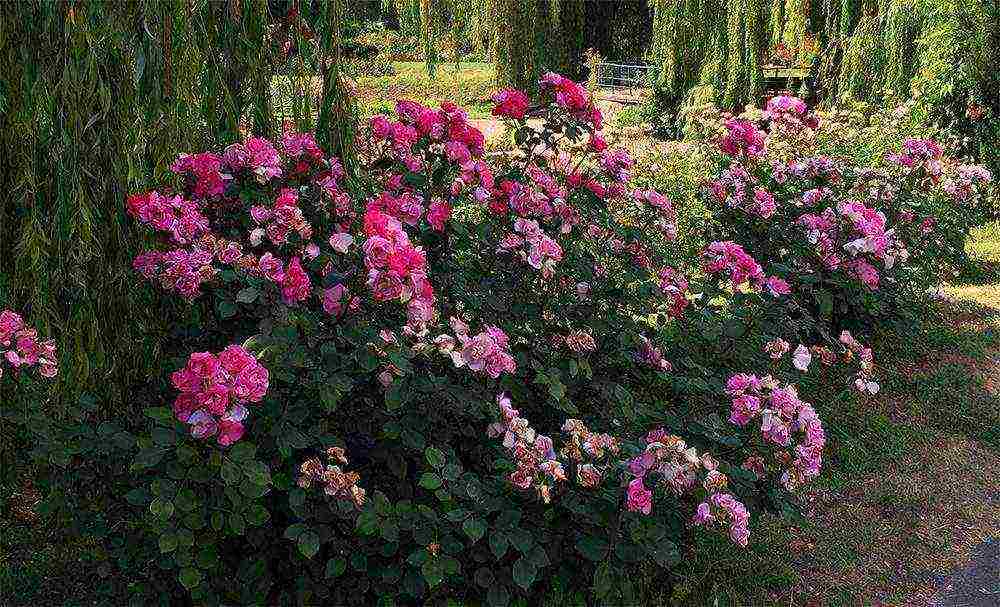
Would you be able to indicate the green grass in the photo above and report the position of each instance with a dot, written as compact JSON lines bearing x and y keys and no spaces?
{"x":470,"y":85}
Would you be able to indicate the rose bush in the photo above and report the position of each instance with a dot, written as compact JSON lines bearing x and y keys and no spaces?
{"x":467,"y":376}
{"x":860,"y":238}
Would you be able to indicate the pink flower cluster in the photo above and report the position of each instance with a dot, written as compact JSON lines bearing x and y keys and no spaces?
{"x":593,"y":455}
{"x":532,"y":245}
{"x":180,"y":270}
{"x":214,"y":392}
{"x":181,"y":219}
{"x":743,"y":140}
{"x":397,"y":270}
{"x":859,"y":231}
{"x":735,"y":188}
{"x":730,"y":259}
{"x":782,"y":415}
{"x":511,"y":104}
{"x":206,"y":171}
{"x":301,"y":146}
{"x":448,"y":127}
{"x":667,"y":222}
{"x":863,"y":381}
{"x":677,"y":463}
{"x":487,"y":352}
{"x":256,"y":155}
{"x":617,"y":163}
{"x":920,"y":153}
{"x":573,"y":98}
{"x":280,"y":220}
{"x":723,"y":510}
{"x":674,"y":286}
{"x":776,"y":348}
{"x":21,"y":349}
{"x":969,"y":179}
{"x":790,"y":111}
{"x":533,"y":453}
{"x":650,"y":355}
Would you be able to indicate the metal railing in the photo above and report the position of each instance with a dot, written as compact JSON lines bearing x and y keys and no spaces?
{"x":623,"y":76}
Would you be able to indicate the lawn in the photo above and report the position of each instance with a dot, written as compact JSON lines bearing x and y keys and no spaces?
{"x":469,"y":85}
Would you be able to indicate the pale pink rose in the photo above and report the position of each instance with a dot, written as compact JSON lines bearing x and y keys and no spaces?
{"x":801,"y":358}
{"x":341,"y":242}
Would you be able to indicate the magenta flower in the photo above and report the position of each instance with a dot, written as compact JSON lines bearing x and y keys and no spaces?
{"x":639,"y":499}
{"x":510,"y":103}
{"x":214,"y":390}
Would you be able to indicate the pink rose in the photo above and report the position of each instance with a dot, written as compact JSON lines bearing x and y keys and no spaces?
{"x":203,"y":365}
{"x":229,"y":432}
{"x":234,"y":359}
{"x":341,"y":242}
{"x":639,"y":498}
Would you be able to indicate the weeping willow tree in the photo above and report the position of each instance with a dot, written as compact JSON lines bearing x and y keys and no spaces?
{"x":96,"y":100}
{"x":514,"y":43}
{"x":536,"y":36}
{"x":719,"y":44}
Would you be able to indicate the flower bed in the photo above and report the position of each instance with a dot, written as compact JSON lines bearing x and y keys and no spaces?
{"x":387,"y":340}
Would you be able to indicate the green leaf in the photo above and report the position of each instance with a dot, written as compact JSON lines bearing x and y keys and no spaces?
{"x":498,"y":544}
{"x":247,"y":295}
{"x":257,"y":515}
{"x":168,"y":542}
{"x":189,"y":577}
{"x":434,"y":457}
{"x":433,"y":571}
{"x":418,"y":557}
{"x":236,"y":524}
{"x":522,"y":540}
{"x":294,"y":531}
{"x":309,"y":544}
{"x":160,"y":414}
{"x":431,"y":481}
{"x":524,"y":572}
{"x":336,"y":567}
{"x":186,"y":500}
{"x":592,"y":548}
{"x":359,"y":561}
{"x":498,"y":596}
{"x":367,"y":522}
{"x":225,"y":308}
{"x":137,"y":496}
{"x":242,"y":451}
{"x":456,"y":515}
{"x":474,"y":528}
{"x":147,"y":458}
{"x":484,"y":577}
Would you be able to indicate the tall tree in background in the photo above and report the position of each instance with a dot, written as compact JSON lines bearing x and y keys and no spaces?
{"x":96,"y":100}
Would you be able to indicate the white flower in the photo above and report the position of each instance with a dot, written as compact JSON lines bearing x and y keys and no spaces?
{"x":801,"y":358}
{"x":341,"y":242}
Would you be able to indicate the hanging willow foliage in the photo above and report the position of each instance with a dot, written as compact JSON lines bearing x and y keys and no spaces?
{"x":863,"y":69}
{"x":72,"y":143}
{"x":96,"y":100}
{"x":718,"y":43}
